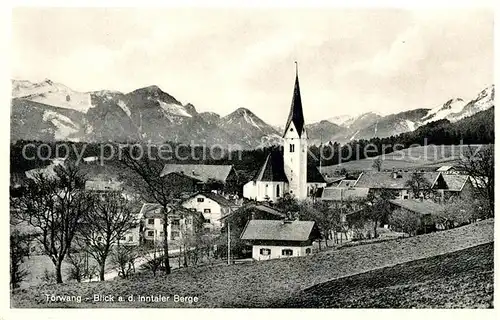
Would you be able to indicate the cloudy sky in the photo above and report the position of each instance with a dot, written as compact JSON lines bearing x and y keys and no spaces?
{"x":350,"y":60}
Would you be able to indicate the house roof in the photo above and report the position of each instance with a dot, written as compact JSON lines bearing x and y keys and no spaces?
{"x":103,"y":185}
{"x":344,"y":194}
{"x":273,"y":169}
{"x":154,"y":210}
{"x":260,"y":207}
{"x":455,"y":182}
{"x":419,"y":206}
{"x":215,"y":197}
{"x":313,"y":175}
{"x":202,"y":172}
{"x":385,"y":180}
{"x":296,"y":115}
{"x":346,"y":183}
{"x":278,"y":230}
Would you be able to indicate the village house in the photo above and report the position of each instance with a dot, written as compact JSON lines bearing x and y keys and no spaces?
{"x":273,"y":239}
{"x":203,"y":177}
{"x":287,"y":172}
{"x":457,"y":185}
{"x":254,"y":212}
{"x":181,"y":223}
{"x":397,"y":181}
{"x":212,"y":206}
{"x":427,"y":211}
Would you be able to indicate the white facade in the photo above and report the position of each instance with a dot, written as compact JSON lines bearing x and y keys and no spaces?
{"x":295,"y":161}
{"x":131,"y":237}
{"x":265,"y":190}
{"x":211,"y":210}
{"x":153,"y":228}
{"x":265,"y":252}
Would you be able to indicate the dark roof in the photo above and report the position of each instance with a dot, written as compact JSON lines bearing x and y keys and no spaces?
{"x":259,"y":207}
{"x":346,"y":183}
{"x":155,"y":210}
{"x":278,"y":230}
{"x":202,"y":172}
{"x":344,"y":194}
{"x":313,"y":175}
{"x":419,"y":206}
{"x":455,"y":182}
{"x":273,"y":168}
{"x":385,"y":180}
{"x":215,"y":197}
{"x":296,"y":114}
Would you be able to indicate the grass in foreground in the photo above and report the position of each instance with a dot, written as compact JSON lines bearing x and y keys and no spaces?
{"x":260,"y":284}
{"x":461,"y":279}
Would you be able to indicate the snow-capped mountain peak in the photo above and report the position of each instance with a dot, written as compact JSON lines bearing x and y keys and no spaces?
{"x":52,"y":93}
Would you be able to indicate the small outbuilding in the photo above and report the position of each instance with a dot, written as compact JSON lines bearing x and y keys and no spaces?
{"x":273,"y":239}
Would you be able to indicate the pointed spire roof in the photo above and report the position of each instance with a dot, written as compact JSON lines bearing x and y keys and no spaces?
{"x":296,"y":114}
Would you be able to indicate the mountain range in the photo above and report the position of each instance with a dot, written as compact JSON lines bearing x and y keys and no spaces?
{"x":49,"y":111}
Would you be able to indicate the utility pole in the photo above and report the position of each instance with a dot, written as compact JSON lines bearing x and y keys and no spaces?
{"x":228,"y":242}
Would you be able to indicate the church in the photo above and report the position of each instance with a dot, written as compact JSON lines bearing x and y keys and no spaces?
{"x":287,"y":171}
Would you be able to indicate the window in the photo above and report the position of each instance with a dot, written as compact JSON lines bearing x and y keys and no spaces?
{"x":206,"y":211}
{"x":99,"y":239}
{"x":278,"y":191}
{"x":161,"y":233}
{"x":287,"y":252}
{"x":151,"y":233}
{"x":292,"y":147}
{"x":175,"y":234}
{"x":207,"y":220}
{"x":176,"y":222}
{"x":405,"y":196}
{"x":308,"y":251}
{"x":265,"y":252}
{"x":151,"y":221}
{"x":130,"y":238}
{"x":122,"y":239}
{"x":200,"y":199}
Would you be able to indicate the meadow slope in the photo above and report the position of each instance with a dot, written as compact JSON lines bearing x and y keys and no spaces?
{"x":261,"y":284}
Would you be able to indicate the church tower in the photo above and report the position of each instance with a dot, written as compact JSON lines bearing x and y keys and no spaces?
{"x":295,"y":145}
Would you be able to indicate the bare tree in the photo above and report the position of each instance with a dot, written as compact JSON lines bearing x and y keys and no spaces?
{"x":109,"y":219}
{"x":153,"y":259}
{"x":479,"y":164}
{"x":419,"y":185}
{"x":123,"y":257}
{"x":19,"y":251}
{"x":55,"y":206}
{"x":377,"y":207}
{"x":377,"y":164}
{"x":155,"y":188}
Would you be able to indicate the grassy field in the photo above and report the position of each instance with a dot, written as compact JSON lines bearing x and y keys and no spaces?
{"x":417,"y":157}
{"x":260,"y":284}
{"x":461,"y":279}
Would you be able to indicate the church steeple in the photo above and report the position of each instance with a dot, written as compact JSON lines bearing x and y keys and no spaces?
{"x":296,"y":115}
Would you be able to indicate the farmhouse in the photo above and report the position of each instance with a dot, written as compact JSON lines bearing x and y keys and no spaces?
{"x":202,"y":176}
{"x":427,"y":211}
{"x":287,"y":172}
{"x":272,"y":239}
{"x":457,"y":185}
{"x":181,"y":222}
{"x":212,"y":206}
{"x":397,"y":181}
{"x":337,"y":194}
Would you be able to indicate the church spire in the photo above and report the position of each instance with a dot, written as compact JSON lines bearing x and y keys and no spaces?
{"x":296,"y":116}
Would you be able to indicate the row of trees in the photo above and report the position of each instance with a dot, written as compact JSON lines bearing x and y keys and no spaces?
{"x":59,"y":215}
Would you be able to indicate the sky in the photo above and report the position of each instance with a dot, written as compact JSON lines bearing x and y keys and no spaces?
{"x":351,"y":60}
